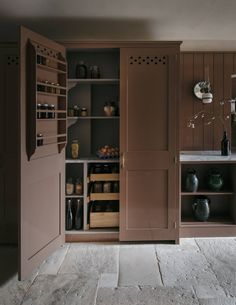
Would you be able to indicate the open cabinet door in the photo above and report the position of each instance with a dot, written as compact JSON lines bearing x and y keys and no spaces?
{"x":42,"y":162}
{"x":149,"y":176}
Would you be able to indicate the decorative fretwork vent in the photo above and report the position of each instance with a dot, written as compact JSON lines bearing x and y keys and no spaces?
{"x":12,"y":60}
{"x":47,"y":51}
{"x":147,"y":60}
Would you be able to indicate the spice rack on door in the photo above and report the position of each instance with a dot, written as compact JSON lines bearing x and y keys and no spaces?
{"x":47,"y":85}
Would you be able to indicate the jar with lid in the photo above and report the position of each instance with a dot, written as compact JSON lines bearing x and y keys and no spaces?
{"x":107,"y":187}
{"x":106,"y":169}
{"x":97,"y":169}
{"x":69,"y":187}
{"x":57,"y":91}
{"x":76,"y":110}
{"x":71,"y":112}
{"x":75,"y":149}
{"x":78,"y":187}
{"x":44,"y":115}
{"x":39,"y":139}
{"x":97,"y":187}
{"x":115,"y":187}
{"x":83,"y":111}
{"x":95,"y":72}
{"x":51,"y":115}
{"x":39,"y":114}
{"x":81,"y":70}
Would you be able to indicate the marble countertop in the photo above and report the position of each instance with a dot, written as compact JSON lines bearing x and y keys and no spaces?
{"x":207,"y":156}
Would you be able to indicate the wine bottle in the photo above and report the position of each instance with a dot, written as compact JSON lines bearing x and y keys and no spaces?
{"x":79,"y":215}
{"x":69,"y":215}
{"x":225,"y":149}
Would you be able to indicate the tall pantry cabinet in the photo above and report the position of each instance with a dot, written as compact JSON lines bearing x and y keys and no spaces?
{"x":142,"y":78}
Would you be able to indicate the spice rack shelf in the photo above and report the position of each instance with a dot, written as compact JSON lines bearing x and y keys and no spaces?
{"x":50,"y":69}
{"x":103,"y":177}
{"x":50,"y":66}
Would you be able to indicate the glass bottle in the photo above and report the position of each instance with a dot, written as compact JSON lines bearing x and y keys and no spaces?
{"x":69,"y":215}
{"x":79,"y":215}
{"x":81,"y":70}
{"x":225,"y":149}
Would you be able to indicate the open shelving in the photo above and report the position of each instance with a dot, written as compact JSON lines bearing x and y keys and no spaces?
{"x":93,"y":131}
{"x":222,"y":219}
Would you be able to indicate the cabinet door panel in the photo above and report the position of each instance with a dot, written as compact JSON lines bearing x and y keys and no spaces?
{"x":42,"y":177}
{"x":149,"y":143}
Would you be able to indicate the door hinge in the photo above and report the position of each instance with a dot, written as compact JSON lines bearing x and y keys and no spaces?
{"x":175,"y":159}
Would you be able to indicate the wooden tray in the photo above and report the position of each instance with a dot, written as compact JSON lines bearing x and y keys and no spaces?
{"x":104,"y":196}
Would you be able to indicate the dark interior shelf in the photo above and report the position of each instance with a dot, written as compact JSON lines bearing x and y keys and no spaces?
{"x":213,"y":221}
{"x":209,"y":193}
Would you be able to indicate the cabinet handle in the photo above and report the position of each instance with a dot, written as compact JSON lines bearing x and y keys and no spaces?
{"x":122,"y":160}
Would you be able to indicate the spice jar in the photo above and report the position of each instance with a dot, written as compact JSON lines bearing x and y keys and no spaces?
{"x":44,"y":115}
{"x":75,"y":149}
{"x":106,"y":169}
{"x":39,"y":139}
{"x":81,"y":70}
{"x":51,"y":115}
{"x":83,"y":112}
{"x":57,"y":89}
{"x":69,"y":187}
{"x":97,"y":169}
{"x":76,"y":110}
{"x":107,"y":187}
{"x":78,"y":187}
{"x":39,"y":114}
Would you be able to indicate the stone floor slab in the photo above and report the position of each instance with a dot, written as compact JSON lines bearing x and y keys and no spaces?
{"x":218,"y":301}
{"x":61,"y":289}
{"x":185,"y":266}
{"x":145,"y":296}
{"x":53,"y":263}
{"x":138,"y":266}
{"x":91,"y":259}
{"x":108,"y":280}
{"x":221,"y":255}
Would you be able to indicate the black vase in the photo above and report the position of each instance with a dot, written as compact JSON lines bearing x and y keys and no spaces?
{"x":201,"y":208}
{"x":191,"y":181}
{"x":79,"y":215}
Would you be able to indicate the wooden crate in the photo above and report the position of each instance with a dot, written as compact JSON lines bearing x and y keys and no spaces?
{"x":104,"y":220}
{"x":104,"y":177}
{"x":104,"y":196}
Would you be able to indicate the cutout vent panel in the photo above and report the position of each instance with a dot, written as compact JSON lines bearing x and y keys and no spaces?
{"x":12,"y":60}
{"x":147,"y":60}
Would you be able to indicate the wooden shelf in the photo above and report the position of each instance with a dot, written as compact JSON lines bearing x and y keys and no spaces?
{"x":93,"y":117}
{"x":52,"y":136}
{"x":213,"y":221}
{"x":74,"y":196}
{"x":104,"y":196}
{"x":52,"y":58}
{"x":51,"y":120}
{"x":44,"y":67}
{"x":51,"y":86}
{"x":92,"y":160}
{"x":104,"y":177}
{"x":209,"y":193}
{"x":50,"y":94}
{"x":72,"y":82}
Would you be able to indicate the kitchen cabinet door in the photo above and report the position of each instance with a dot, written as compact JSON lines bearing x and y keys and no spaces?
{"x":149,"y":176}
{"x":41,"y":168}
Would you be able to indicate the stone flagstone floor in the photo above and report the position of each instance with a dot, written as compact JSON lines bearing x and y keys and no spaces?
{"x":196,"y":272}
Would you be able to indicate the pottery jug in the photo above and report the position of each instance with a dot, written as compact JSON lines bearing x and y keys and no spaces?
{"x":191,"y":182}
{"x":215,"y":180}
{"x":201,"y":208}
